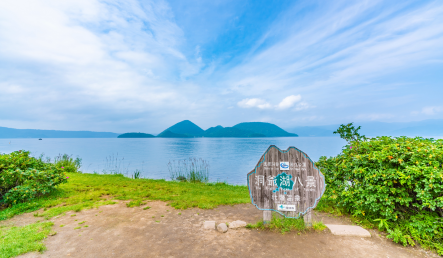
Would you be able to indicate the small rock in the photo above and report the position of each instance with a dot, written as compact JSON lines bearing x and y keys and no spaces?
{"x":209,"y":225}
{"x":222,"y":228}
{"x":237,"y":224}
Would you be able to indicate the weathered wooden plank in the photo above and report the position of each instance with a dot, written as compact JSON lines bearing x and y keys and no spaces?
{"x":287,"y":182}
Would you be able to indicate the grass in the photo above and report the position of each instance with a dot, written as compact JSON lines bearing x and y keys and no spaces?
{"x":189,"y":170}
{"x":85,"y":191}
{"x":284,"y":225}
{"x":19,"y":240}
{"x":135,"y":203}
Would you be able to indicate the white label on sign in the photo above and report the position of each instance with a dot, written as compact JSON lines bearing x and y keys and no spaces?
{"x":284,"y":207}
{"x":284,"y":165}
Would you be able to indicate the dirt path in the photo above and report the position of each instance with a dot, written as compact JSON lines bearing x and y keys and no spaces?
{"x":118,"y":231}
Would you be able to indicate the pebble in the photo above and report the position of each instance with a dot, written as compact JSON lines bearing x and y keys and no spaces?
{"x":222,"y":228}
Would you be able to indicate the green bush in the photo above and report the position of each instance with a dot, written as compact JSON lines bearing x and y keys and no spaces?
{"x":395,"y":182}
{"x":23,"y":178}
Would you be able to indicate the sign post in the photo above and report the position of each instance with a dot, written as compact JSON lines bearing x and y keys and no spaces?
{"x":287,"y":182}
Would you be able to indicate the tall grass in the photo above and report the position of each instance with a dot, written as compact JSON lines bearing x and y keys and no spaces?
{"x":189,"y":170}
{"x":67,"y":162}
{"x":116,"y":166}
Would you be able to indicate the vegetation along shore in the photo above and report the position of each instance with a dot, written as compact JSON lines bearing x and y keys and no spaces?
{"x":393,"y":184}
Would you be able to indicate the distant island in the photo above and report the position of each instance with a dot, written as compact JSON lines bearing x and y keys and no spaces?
{"x":10,"y":133}
{"x":135,"y":135}
{"x":187,"y":129}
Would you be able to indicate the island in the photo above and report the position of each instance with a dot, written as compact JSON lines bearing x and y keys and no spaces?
{"x":135,"y":135}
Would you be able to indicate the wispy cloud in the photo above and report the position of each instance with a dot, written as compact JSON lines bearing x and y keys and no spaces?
{"x":120,"y":65}
{"x":254,"y":103}
{"x":429,"y":111}
{"x":107,"y":55}
{"x":286,"y":103}
{"x":349,"y":46}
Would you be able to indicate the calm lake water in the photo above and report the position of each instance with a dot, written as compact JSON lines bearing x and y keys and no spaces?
{"x":230,"y":159}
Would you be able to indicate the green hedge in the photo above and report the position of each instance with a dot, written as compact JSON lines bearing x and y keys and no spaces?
{"x":23,"y":178}
{"x":396,"y":182}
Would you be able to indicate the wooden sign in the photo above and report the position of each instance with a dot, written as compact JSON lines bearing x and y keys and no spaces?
{"x":287,"y":182}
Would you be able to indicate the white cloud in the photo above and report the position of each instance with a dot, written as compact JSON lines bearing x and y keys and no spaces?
{"x":288,"y":102}
{"x":431,"y":110}
{"x":254,"y":103}
{"x":302,"y":106}
{"x":63,"y":58}
{"x":347,"y":46}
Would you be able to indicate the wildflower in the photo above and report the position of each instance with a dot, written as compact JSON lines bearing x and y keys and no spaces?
{"x":67,"y":177}
{"x":350,"y":147}
{"x":63,"y":167}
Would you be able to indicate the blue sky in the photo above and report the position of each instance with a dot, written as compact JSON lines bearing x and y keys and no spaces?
{"x":144,"y":65}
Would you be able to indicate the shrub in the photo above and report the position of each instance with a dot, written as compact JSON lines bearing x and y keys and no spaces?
{"x":23,"y":178}
{"x":395,"y":181}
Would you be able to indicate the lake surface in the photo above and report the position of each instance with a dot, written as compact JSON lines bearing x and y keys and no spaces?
{"x":229,"y":159}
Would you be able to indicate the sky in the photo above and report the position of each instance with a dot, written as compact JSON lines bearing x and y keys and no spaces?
{"x":142,"y":66}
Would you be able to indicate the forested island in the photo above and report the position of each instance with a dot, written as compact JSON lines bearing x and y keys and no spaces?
{"x":135,"y":135}
{"x":187,"y":129}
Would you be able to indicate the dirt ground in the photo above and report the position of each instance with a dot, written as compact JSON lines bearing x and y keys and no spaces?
{"x":119,"y":231}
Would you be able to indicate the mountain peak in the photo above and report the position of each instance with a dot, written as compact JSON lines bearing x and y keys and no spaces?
{"x":186,"y":127}
{"x":268,"y":129}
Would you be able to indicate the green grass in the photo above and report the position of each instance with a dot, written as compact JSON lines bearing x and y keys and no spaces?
{"x":84,"y":191}
{"x":280,"y":223}
{"x":284,"y":225}
{"x":318,"y":226}
{"x":19,"y":240}
{"x":135,"y":203}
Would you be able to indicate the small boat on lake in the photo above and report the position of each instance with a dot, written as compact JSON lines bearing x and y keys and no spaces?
{"x":40,"y":139}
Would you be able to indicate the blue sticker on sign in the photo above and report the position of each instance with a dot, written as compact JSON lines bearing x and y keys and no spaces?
{"x":284,"y":165}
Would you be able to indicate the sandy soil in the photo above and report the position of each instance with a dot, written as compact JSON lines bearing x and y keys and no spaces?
{"x":118,"y":231}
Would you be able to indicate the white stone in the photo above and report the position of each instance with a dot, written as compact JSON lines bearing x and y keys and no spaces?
{"x":209,"y":225}
{"x":346,"y":230}
{"x":222,"y":228}
{"x":237,"y":224}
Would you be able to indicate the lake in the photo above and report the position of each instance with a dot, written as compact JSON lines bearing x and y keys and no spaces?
{"x":229,"y":159}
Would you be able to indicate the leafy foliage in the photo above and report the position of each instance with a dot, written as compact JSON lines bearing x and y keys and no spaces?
{"x":350,"y":133}
{"x":397,"y":182}
{"x":24,"y":178}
